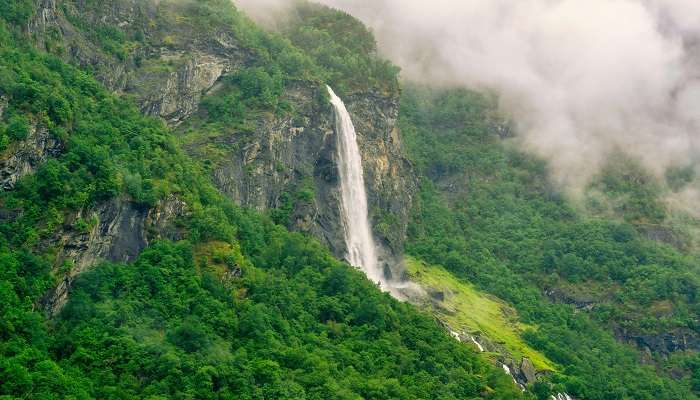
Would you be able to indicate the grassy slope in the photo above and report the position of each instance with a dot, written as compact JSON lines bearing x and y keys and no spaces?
{"x":466,"y":307}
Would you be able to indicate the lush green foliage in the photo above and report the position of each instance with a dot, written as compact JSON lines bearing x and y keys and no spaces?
{"x":342,"y":46}
{"x":630,"y":192}
{"x":243,"y":309}
{"x":301,"y":325}
{"x":487,"y":213}
{"x":243,"y":95}
{"x":16,"y":11}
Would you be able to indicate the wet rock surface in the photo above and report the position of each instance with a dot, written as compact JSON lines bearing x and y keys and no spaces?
{"x":284,"y":152}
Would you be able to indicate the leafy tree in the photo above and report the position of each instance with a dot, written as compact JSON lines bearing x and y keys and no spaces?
{"x":16,"y":11}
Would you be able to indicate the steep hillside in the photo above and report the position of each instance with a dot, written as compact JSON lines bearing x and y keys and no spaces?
{"x":214,"y":301}
{"x":156,"y":156}
{"x":474,"y":316}
{"x":264,"y":128}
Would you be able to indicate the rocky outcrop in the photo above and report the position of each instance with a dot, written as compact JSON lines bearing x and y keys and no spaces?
{"x":562,"y":396}
{"x":51,"y":30}
{"x":268,"y":167}
{"x":23,"y":157}
{"x":580,"y":301}
{"x":166,"y":77}
{"x":117,"y":231}
{"x":523,"y":372}
{"x":677,"y":340}
{"x":179,"y":92}
{"x":527,"y":371}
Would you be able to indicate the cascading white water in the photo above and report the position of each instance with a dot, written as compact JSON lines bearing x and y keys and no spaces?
{"x":361,"y":250}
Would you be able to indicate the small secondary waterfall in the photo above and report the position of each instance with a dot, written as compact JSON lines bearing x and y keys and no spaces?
{"x":562,"y":396}
{"x":361,"y":250}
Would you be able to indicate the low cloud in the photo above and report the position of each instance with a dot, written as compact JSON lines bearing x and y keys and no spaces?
{"x":580,"y":78}
{"x":267,"y":12}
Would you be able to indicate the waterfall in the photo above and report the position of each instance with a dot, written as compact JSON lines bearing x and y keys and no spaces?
{"x":361,"y":250}
{"x":562,"y":396}
{"x":476,"y":342}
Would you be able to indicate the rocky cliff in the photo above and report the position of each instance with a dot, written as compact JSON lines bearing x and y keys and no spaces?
{"x":21,"y":158}
{"x":166,"y":70}
{"x":288,"y":153}
{"x":168,"y":64}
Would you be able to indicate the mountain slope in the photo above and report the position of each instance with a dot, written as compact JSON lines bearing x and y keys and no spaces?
{"x":488,"y":215}
{"x":220,"y":302}
{"x":264,"y":128}
{"x":154,"y":153}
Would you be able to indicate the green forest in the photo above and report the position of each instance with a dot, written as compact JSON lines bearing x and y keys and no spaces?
{"x":237,"y":306}
{"x":514,"y":235}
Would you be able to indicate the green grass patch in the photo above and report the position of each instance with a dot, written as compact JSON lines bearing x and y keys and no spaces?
{"x":466,"y":308}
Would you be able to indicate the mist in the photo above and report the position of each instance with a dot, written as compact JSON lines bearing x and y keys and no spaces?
{"x":266,"y":12}
{"x":581,"y":79}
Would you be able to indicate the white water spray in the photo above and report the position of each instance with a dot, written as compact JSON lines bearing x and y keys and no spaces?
{"x":362,"y":252}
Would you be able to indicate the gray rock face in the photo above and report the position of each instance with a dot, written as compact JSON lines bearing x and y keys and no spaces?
{"x":527,"y":371}
{"x":678,"y":340}
{"x":523,"y":373}
{"x":45,"y":17}
{"x":663,"y":344}
{"x":281,"y":154}
{"x":180,"y":91}
{"x":166,"y":81}
{"x":22,"y":158}
{"x":579,"y":301}
{"x":121,"y":230}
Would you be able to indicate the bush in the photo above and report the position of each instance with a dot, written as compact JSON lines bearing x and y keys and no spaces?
{"x":16,"y":11}
{"x":190,"y":336}
{"x":17,"y":127}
